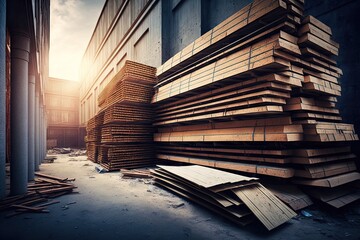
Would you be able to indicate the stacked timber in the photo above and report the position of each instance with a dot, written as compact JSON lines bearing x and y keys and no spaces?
{"x":238,"y":198}
{"x":257,"y":94}
{"x":122,"y":131}
{"x":93,"y":136}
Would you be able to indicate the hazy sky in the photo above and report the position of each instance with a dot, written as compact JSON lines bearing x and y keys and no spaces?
{"x":72,"y":24}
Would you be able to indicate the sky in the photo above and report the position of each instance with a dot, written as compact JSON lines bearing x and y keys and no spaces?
{"x":72,"y":24}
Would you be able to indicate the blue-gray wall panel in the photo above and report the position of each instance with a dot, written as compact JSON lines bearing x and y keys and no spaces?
{"x":185,"y":24}
{"x":216,"y":11}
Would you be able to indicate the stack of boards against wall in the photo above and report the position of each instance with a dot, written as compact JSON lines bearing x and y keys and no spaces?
{"x":121,"y":134}
{"x":238,"y":198}
{"x":257,"y":94}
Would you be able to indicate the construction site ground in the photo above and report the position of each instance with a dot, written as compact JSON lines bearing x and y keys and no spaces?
{"x":110,"y":207}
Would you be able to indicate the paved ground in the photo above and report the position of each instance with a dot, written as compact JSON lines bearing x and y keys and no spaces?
{"x":109,"y":207}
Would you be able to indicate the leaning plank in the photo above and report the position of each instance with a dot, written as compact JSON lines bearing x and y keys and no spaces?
{"x":266,"y":207}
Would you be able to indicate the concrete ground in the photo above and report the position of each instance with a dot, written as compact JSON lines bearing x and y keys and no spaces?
{"x":109,"y":207}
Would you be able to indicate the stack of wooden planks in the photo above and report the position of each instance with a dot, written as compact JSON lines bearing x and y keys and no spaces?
{"x":93,"y":136}
{"x":238,"y":198}
{"x":40,"y":192}
{"x":122,"y":131}
{"x":257,"y":94}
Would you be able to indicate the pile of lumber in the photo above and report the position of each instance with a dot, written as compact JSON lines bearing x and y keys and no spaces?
{"x":40,"y":192}
{"x":257,"y":94}
{"x":121,"y":134}
{"x":93,"y":136}
{"x":238,"y":198}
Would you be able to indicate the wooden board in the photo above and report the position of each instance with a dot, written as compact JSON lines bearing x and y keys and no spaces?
{"x":266,"y":207}
{"x":199,"y":175}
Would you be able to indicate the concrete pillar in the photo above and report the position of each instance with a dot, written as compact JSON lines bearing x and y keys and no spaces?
{"x":20,"y":49}
{"x":41,"y":134}
{"x":2,"y":98}
{"x":45,"y":132}
{"x":37,"y":130}
{"x":31,"y":132}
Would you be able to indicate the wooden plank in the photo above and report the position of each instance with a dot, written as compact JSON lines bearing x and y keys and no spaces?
{"x":189,"y":186}
{"x":265,"y":206}
{"x":317,"y":23}
{"x":319,"y":44}
{"x":200,"y":175}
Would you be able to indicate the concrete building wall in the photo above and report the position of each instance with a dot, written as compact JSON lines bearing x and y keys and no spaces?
{"x":62,"y":98}
{"x":133,"y":34}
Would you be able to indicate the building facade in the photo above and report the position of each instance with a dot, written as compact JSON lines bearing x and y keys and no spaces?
{"x":62,"y":107}
{"x":24,"y":54}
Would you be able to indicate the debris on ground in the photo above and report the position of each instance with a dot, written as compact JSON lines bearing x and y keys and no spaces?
{"x":59,"y":151}
{"x":72,"y":152}
{"x":49,"y":159}
{"x":177,"y":205}
{"x":100,"y":169}
{"x":78,"y":152}
{"x":306,"y":214}
{"x":135,"y":173}
{"x":66,"y":206}
{"x":40,"y":191}
{"x":55,"y":178}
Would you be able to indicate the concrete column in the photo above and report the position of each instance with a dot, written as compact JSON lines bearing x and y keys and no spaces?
{"x":45,"y":133}
{"x":20,"y":49}
{"x":2,"y":98}
{"x":37,"y":137}
{"x":41,"y":134}
{"x":31,"y":132}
